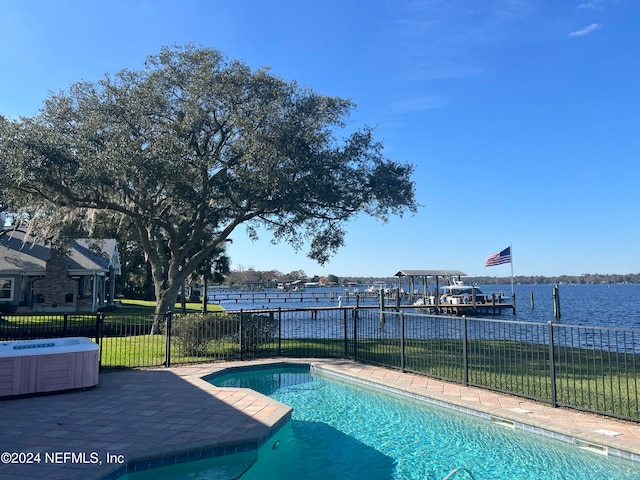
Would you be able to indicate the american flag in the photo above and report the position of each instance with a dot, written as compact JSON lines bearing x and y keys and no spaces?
{"x":498,"y":258}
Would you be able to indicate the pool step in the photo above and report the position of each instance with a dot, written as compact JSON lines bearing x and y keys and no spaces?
{"x":457,"y":470}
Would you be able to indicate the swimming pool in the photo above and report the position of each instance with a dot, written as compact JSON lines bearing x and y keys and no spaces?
{"x":342,"y":430}
{"x":347,"y":431}
{"x":355,"y":432}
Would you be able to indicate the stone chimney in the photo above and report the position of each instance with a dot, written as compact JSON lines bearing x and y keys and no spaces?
{"x":55,"y":289}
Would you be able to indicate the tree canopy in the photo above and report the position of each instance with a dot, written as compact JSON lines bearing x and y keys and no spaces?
{"x":188,"y":148}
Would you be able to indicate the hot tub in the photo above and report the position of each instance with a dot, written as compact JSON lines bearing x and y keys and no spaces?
{"x":47,"y":365}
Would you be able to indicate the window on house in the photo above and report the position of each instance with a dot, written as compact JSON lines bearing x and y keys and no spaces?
{"x":86,"y":285}
{"x":6,"y":289}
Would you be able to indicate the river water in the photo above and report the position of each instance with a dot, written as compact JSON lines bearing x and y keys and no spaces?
{"x":616,"y":305}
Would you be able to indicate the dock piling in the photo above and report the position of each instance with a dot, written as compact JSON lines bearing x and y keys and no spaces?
{"x":556,"y":302}
{"x":531,"y":298}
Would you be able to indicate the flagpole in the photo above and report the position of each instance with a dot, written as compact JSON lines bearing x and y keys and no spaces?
{"x":512,"y":292}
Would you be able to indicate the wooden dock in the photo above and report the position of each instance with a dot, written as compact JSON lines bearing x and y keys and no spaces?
{"x":349,"y":300}
{"x":290,"y":297}
{"x":467,"y":309}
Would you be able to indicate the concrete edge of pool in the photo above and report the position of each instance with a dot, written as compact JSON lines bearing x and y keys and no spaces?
{"x":273,"y":420}
{"x":144,"y":415}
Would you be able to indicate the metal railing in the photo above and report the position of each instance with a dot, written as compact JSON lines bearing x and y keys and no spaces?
{"x":32,"y":326}
{"x":595,"y":369}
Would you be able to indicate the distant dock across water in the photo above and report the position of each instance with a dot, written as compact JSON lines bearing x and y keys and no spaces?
{"x":289,"y":296}
{"x":352,"y":299}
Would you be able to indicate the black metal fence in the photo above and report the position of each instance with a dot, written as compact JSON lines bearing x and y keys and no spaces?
{"x":590,"y":368}
{"x":31,"y":326}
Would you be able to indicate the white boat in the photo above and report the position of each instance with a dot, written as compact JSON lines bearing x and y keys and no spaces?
{"x":458,"y":293}
{"x":376,"y":288}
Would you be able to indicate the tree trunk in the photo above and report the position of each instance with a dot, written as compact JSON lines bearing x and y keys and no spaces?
{"x":165,"y":302}
{"x":205,"y":296}
{"x":183,"y":298}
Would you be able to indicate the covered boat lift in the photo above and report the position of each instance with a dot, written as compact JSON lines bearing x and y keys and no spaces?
{"x":421,"y":277}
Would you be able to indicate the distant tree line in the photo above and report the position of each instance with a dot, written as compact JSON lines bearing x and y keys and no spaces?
{"x":585,"y":278}
{"x":264,"y":279}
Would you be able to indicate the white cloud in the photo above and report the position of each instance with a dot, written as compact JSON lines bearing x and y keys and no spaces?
{"x":591,"y":28}
{"x":442,"y":39}
{"x":597,"y":4}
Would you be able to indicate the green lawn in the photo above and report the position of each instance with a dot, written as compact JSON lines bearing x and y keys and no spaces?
{"x":132,"y":351}
{"x":148,"y":306}
{"x":127,"y":318}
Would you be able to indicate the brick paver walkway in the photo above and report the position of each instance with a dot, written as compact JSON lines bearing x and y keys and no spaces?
{"x":132,"y":414}
{"x":161,"y":414}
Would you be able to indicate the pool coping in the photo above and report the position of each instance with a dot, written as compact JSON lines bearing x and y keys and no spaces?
{"x":187,"y":454}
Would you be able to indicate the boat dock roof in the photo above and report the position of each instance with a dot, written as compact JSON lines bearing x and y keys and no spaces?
{"x":430,"y":273}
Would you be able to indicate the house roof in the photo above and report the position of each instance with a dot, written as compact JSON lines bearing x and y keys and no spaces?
{"x":19,"y":253}
{"x":101,"y":250}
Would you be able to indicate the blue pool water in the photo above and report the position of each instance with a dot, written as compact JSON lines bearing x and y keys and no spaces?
{"x":345,"y":431}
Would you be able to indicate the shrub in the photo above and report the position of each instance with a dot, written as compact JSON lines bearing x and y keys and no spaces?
{"x":195,"y":333}
{"x":257,"y":329}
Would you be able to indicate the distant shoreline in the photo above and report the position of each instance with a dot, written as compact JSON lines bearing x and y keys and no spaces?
{"x":585,"y":279}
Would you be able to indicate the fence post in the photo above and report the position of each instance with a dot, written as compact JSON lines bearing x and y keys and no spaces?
{"x":167,"y":348}
{"x":465,"y":353}
{"x":354,"y":314}
{"x":402,"y":339}
{"x":240,"y":333}
{"x":552,"y":366}
{"x":344,"y":324}
{"x":99,"y":321}
{"x":355,"y":337}
{"x":64,"y":324}
{"x":279,"y":331}
{"x":99,"y":316}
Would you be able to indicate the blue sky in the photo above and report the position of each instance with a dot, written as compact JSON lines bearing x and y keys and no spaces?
{"x":522,"y":117}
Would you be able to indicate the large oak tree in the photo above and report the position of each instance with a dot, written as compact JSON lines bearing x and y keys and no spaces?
{"x":192,"y":146}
